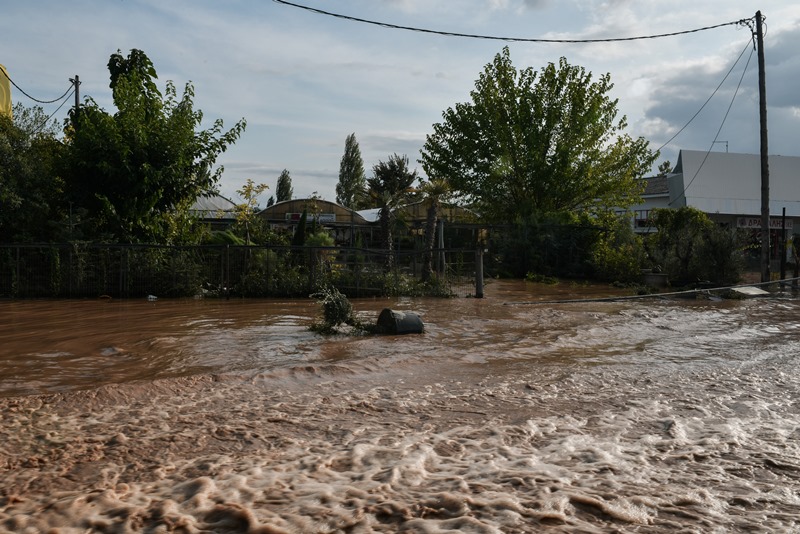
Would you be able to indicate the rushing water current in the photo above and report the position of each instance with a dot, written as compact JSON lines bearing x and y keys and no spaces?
{"x":508,"y":414}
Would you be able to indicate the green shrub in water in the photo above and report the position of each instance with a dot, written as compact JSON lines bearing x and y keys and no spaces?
{"x":336,"y":310}
{"x":541,"y":279}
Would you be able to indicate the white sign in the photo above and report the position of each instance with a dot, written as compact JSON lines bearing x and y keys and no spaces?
{"x":320,"y":217}
{"x":755,"y":223}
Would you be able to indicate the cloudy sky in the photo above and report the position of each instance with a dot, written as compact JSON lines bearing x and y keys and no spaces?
{"x":304,"y":81}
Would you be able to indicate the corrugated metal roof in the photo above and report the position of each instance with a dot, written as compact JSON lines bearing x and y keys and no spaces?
{"x":213,"y":207}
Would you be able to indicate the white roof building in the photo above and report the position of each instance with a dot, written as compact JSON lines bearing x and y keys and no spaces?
{"x":730,"y":184}
{"x":727,"y":187}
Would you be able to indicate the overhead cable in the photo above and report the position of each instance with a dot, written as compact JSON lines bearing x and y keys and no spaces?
{"x":47,"y":120}
{"x":708,"y":99}
{"x":686,"y":187}
{"x":71,"y":87}
{"x":499,"y":38}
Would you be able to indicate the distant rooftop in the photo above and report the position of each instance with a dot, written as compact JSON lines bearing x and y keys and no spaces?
{"x":656,"y":185}
{"x":213,"y":207}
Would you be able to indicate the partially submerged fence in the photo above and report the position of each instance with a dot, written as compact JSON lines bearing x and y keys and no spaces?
{"x":132,"y":271}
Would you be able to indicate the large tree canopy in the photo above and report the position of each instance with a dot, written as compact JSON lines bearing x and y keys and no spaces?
{"x":30,"y":188}
{"x":390,"y":188}
{"x":352,"y":185}
{"x":284,"y":190}
{"x":537,"y":142}
{"x":135,"y":171}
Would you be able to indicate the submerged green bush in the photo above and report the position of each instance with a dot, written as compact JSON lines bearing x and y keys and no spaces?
{"x":336,"y":310}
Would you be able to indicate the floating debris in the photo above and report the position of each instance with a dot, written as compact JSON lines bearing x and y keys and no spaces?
{"x":397,"y":322}
{"x":749,"y":291}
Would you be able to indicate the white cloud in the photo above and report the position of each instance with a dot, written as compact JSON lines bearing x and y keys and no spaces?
{"x":304,"y":81}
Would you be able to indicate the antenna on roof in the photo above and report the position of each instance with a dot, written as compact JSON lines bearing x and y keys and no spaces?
{"x":726,"y":144}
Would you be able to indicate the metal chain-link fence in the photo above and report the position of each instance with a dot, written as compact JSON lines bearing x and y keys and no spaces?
{"x":80,"y":270}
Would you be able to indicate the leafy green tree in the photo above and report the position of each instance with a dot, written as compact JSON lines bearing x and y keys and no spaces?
{"x":618,"y":253}
{"x":688,"y":246}
{"x":134,"y":171}
{"x":434,"y":191}
{"x":541,"y":142}
{"x":553,"y":244}
{"x":674,"y":246}
{"x":284,"y":191}
{"x":319,"y":256}
{"x":31,"y":189}
{"x":390,"y":187}
{"x":300,"y":234}
{"x":246,"y":211}
{"x":352,"y":185}
{"x":722,"y":254}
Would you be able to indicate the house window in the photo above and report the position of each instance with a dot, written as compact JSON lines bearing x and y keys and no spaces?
{"x":641,"y":219}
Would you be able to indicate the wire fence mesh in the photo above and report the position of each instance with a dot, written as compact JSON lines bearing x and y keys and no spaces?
{"x":78,"y":270}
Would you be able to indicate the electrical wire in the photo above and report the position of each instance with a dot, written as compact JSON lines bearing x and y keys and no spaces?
{"x":71,"y":88}
{"x":510,"y":39}
{"x":736,"y":92}
{"x":44,"y":122}
{"x":683,"y":293}
{"x":709,"y":98}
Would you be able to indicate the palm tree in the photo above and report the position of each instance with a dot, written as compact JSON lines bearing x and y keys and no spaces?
{"x":390,"y":186}
{"x":434,"y":191}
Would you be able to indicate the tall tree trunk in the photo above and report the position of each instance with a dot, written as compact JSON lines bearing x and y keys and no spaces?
{"x":386,"y":235}
{"x":430,"y":240}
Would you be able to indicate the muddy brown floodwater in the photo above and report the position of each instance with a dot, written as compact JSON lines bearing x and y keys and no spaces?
{"x":506,"y":415}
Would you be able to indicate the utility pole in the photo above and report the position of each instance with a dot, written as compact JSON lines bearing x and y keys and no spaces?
{"x":76,"y":82}
{"x":762,"y":113}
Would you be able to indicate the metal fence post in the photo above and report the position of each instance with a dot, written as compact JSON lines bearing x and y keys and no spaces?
{"x":440,"y":265}
{"x":124,"y":265}
{"x":15,"y":285}
{"x":69,"y":274}
{"x":479,"y":273}
{"x":227,"y":271}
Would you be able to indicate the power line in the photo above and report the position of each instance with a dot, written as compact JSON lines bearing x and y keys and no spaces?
{"x":499,"y":38}
{"x":686,"y":187}
{"x":44,"y":123}
{"x":709,"y":98}
{"x":36,"y":99}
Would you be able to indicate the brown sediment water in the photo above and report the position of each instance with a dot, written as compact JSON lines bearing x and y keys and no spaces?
{"x":651,"y":415}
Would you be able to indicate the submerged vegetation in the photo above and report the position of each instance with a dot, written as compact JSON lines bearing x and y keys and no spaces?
{"x":337,"y":312}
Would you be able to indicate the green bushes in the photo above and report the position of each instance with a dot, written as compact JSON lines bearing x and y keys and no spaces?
{"x":270,"y":273}
{"x":336,"y":310}
{"x":570,"y":246}
{"x":618,"y":254}
{"x":555,"y":245}
{"x":689,"y":247}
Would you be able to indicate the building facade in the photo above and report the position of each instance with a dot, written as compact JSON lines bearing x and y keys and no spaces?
{"x":727,"y":187}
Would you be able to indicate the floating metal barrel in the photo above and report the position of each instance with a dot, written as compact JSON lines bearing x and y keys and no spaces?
{"x":397,"y":322}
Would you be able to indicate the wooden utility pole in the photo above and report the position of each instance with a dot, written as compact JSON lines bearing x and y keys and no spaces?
{"x":76,"y":82}
{"x":762,"y":113}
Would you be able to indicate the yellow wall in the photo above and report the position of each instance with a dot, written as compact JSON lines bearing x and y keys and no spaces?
{"x":5,"y":92}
